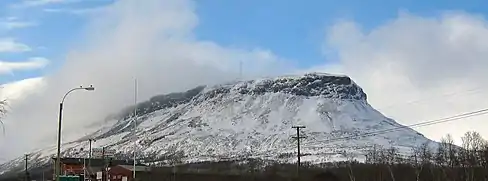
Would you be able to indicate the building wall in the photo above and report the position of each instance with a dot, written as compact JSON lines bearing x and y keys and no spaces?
{"x":68,"y":168}
{"x":117,"y":173}
{"x":71,"y":169}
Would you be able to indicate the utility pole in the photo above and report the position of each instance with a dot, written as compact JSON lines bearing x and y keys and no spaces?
{"x":298,"y":137}
{"x":84,"y":165}
{"x":90,"y":140}
{"x":104,"y":169}
{"x":90,"y":147}
{"x":26,"y":164}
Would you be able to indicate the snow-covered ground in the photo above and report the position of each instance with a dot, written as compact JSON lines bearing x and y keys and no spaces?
{"x":253,"y":119}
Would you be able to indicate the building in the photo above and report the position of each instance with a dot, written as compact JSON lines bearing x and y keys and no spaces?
{"x":74,"y":166}
{"x":125,"y":172}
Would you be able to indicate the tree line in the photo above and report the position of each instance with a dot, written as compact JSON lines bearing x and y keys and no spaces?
{"x":440,"y":162}
{"x":446,"y":162}
{"x":436,"y":162}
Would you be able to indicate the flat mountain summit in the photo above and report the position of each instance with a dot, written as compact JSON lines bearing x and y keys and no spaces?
{"x":249,"y":119}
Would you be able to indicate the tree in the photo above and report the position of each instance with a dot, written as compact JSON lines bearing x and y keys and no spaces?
{"x":472,"y":157}
{"x":420,"y":157}
{"x":176,"y":158}
{"x":372,"y":155}
{"x":254,"y":164}
{"x":452,"y":151}
{"x":350,"y":161}
{"x":390,"y":157}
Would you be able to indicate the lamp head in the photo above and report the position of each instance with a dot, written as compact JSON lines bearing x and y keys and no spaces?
{"x":91,"y":88}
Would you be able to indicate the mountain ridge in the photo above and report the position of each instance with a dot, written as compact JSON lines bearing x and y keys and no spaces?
{"x":250,"y":118}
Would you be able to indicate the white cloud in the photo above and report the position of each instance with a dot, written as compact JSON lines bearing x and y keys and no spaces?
{"x":10,"y":45}
{"x":419,"y":68}
{"x":31,"y":3}
{"x":37,"y":3}
{"x":152,"y":40}
{"x":12,"y":18}
{"x":32,"y":63}
{"x":75,"y":11}
{"x":16,"y":91}
{"x":56,"y":10}
{"x":14,"y":23}
{"x":18,"y":24}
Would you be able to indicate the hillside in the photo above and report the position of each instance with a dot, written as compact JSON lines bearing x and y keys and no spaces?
{"x":249,"y":119}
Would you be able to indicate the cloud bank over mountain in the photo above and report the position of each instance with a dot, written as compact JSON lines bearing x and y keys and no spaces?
{"x":413,"y":68}
{"x":152,"y":41}
{"x":416,"y":68}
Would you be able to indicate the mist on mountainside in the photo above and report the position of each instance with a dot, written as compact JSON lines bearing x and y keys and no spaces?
{"x":249,"y":119}
{"x":127,"y":40}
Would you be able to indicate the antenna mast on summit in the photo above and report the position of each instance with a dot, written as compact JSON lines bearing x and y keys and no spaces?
{"x":135,"y":125}
{"x":240,"y":69}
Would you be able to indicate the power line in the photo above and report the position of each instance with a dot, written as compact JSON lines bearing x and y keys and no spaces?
{"x":373,"y":133}
{"x":420,"y":124}
{"x":472,"y":91}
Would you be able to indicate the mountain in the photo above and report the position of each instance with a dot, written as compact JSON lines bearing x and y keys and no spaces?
{"x":246,"y":119}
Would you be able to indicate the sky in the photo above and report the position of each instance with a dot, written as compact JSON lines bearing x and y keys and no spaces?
{"x":416,"y":60}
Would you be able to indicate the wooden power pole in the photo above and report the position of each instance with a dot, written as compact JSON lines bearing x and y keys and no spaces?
{"x":298,"y":137}
{"x":90,"y":140}
{"x":26,"y":159}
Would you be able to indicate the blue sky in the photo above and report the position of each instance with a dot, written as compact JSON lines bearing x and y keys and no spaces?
{"x":295,"y":29}
{"x":396,"y":57}
{"x":292,"y":29}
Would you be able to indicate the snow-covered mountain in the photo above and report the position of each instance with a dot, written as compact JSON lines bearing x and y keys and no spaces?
{"x":249,"y":119}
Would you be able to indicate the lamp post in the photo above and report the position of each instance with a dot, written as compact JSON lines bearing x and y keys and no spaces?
{"x":58,"y":159}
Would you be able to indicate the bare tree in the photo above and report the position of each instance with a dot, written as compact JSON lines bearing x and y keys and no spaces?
{"x":452,"y":151}
{"x":372,"y":155}
{"x":254,"y":164}
{"x":176,"y":158}
{"x":467,"y":154}
{"x":391,"y":157}
{"x":484,"y":159}
{"x":477,"y":145}
{"x":442,"y":157}
{"x":419,"y":158}
{"x":350,"y":160}
{"x":473,"y":145}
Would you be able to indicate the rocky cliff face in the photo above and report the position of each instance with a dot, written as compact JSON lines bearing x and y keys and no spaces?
{"x":250,"y":119}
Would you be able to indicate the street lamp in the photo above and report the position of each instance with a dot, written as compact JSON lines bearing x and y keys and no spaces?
{"x":58,"y":159}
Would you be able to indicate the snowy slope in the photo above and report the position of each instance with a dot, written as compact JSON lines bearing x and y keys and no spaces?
{"x":250,"y":119}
